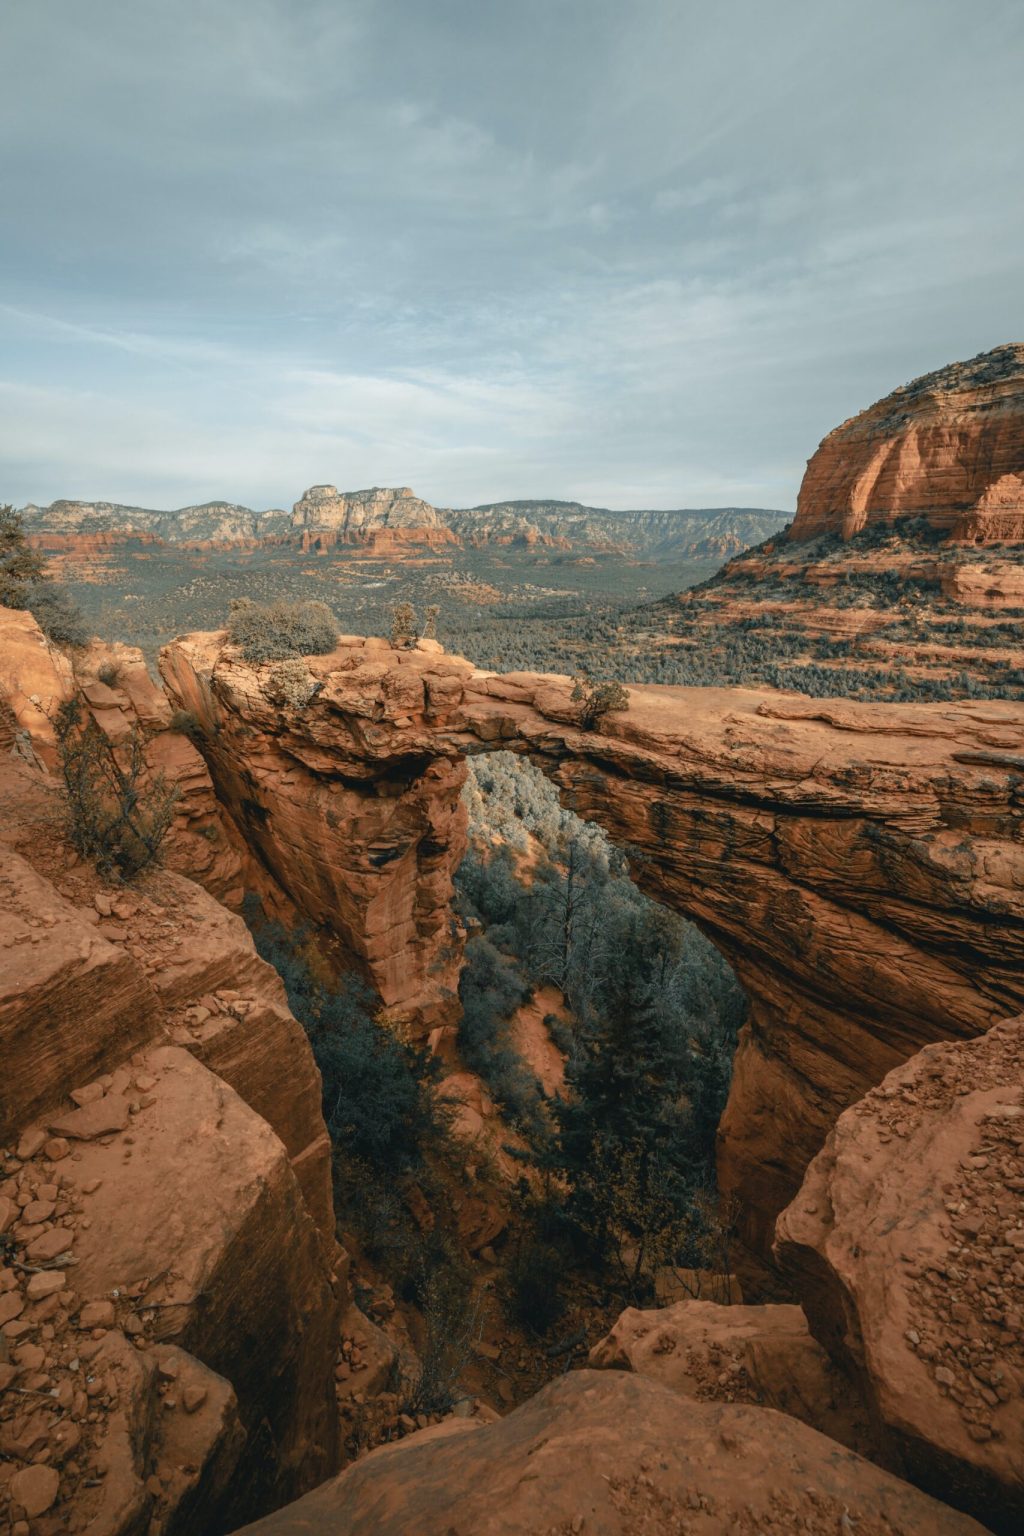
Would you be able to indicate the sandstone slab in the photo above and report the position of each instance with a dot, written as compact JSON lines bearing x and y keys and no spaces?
{"x":610,"y":1454}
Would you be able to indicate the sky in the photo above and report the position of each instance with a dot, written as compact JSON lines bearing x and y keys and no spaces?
{"x":639,"y":253}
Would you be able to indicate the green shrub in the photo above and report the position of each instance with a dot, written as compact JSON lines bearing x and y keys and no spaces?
{"x":533,"y":1276}
{"x":291,"y":683}
{"x":20,"y":565}
{"x":184,"y":721}
{"x":597,"y":699}
{"x":403,"y":626}
{"x":281,"y":630}
{"x":117,"y":812}
{"x":442,"y":1289}
{"x":377,"y":1097}
{"x":24,"y":584}
{"x":57,"y":616}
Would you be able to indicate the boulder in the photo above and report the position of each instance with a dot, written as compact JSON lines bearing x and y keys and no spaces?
{"x":737,"y":1354}
{"x":609,"y":1454}
{"x":906,"y":1244}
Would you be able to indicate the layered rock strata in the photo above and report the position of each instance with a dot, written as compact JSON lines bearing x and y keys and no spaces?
{"x":348,"y":802}
{"x":947,"y":447}
{"x":906,"y":1245}
{"x":859,"y":865}
{"x":169,"y":1274}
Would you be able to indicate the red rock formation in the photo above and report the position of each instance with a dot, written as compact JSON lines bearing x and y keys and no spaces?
{"x":611,"y":1453}
{"x":997,"y":515}
{"x":379,"y":543}
{"x":35,"y":679}
{"x":352,"y":807}
{"x":709,"y":1352}
{"x":858,"y":864}
{"x":906,"y":1243}
{"x":948,"y":447}
{"x":189,"y":1184}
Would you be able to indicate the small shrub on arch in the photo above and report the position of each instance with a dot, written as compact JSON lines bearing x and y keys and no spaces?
{"x":281,"y":630}
{"x":597,"y":699}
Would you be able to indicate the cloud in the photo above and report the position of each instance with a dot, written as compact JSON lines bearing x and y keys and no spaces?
{"x":642,"y":253}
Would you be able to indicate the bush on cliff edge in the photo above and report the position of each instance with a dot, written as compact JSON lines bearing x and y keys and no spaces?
{"x":281,"y":630}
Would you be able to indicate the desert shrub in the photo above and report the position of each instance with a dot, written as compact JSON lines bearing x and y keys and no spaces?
{"x":117,"y":812}
{"x":57,"y":616}
{"x":491,"y":989}
{"x":109,"y":673}
{"x":533,"y":1284}
{"x":403,"y":625}
{"x":597,"y":699}
{"x":430,"y":614}
{"x":442,"y":1290}
{"x":185,"y":722}
{"x":24,"y":584}
{"x":21,"y":567}
{"x":291,"y":683}
{"x":281,"y":630}
{"x":377,"y":1097}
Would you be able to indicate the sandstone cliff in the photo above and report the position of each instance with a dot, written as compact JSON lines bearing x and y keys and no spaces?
{"x":947,"y":447}
{"x":169,"y":1273}
{"x":394,"y":522}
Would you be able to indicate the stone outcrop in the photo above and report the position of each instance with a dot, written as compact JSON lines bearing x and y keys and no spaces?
{"x":903,"y":571}
{"x":72,"y":1004}
{"x":611,"y":1453}
{"x":948,"y":448}
{"x":169,"y":1270}
{"x":857,"y":864}
{"x":352,"y":808}
{"x":906,"y":1244}
{"x":709,"y":1352}
{"x":35,"y":679}
{"x":352,"y":512}
{"x":382,"y":522}
{"x":217,"y":522}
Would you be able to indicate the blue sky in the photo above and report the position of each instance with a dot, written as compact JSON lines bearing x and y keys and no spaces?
{"x":635,"y":252}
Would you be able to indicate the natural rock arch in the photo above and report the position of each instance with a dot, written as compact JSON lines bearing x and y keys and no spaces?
{"x":859,"y":865}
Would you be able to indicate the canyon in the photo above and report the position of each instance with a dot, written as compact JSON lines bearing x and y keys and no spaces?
{"x":858,"y":867}
{"x":181,"y":1338}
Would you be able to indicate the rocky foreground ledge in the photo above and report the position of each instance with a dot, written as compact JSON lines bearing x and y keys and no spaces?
{"x":606,"y":1454}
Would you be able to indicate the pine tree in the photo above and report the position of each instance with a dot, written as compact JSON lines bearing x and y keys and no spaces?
{"x":20,"y":565}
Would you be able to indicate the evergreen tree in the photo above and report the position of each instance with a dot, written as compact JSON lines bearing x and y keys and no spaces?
{"x":20,"y":565}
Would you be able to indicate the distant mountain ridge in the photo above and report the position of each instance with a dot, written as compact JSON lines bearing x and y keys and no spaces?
{"x":323,"y":516}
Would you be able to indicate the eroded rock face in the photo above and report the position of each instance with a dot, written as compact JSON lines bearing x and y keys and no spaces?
{"x":35,"y":679}
{"x":176,"y":1280}
{"x":947,"y":447}
{"x":324,"y":507}
{"x":857,"y":864}
{"x":906,"y":1243}
{"x":709,"y":1352}
{"x":72,"y":1004}
{"x":613,"y":1454}
{"x":351,"y":802}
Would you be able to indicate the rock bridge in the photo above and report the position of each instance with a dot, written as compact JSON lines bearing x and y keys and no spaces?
{"x":860,"y":865}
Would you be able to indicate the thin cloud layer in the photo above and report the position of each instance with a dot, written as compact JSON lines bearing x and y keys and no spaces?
{"x":638,"y":254}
